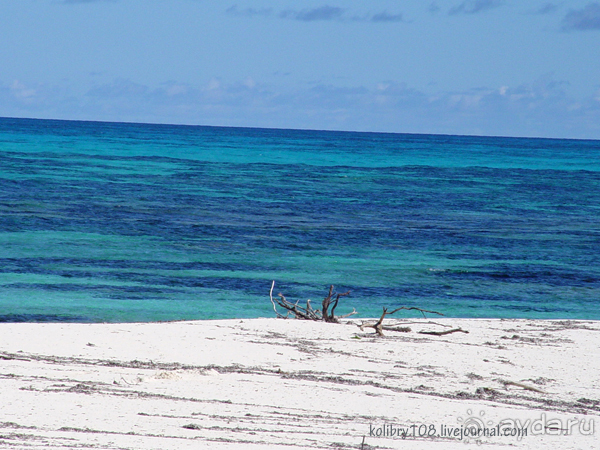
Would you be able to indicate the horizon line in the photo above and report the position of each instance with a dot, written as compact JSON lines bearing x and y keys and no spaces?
{"x":298,"y":129}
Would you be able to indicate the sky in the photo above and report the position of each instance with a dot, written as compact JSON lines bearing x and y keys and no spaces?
{"x":465,"y":67}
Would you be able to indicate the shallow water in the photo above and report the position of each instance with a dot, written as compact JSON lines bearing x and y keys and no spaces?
{"x":130,"y":222}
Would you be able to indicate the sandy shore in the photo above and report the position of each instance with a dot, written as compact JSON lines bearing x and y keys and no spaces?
{"x":278,"y":383}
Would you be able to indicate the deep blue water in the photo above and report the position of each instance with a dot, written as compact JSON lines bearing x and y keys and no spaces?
{"x":132,"y":222}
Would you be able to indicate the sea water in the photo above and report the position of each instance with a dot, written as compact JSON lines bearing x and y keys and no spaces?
{"x":135,"y":222}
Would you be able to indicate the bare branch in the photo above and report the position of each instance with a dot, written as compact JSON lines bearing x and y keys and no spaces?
{"x":326,"y":302}
{"x":308,"y":313}
{"x":428,"y":323}
{"x":271,"y":297}
{"x":337,"y":299}
{"x":349,"y":314}
{"x":409,"y":308}
{"x":398,"y":329}
{"x":379,"y":327}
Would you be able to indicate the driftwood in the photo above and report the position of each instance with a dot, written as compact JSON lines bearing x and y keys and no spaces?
{"x":442,"y":333}
{"x":379,"y":326}
{"x":308,"y":312}
{"x":330,"y":303}
{"x":521,"y":385}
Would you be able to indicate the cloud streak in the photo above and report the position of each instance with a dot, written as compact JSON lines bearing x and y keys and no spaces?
{"x":475,"y":6}
{"x":310,"y":15}
{"x":584,"y":19}
{"x":323,"y":13}
{"x":386,"y":17}
{"x":75,"y":2}
{"x":433,"y":8}
{"x":248,"y":12}
{"x":546,"y":8}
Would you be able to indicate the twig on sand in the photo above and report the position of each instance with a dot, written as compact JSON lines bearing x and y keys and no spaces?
{"x":521,"y":385}
{"x":442,"y":333}
{"x":428,"y":323}
{"x":379,"y":327}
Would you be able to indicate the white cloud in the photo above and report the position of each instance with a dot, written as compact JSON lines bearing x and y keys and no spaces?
{"x":249,"y":83}
{"x":213,"y":85}
{"x":176,"y":89}
{"x":539,"y":108}
{"x":22,"y":92}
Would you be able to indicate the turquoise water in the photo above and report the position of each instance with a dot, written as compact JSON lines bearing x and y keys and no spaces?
{"x":131,"y":222}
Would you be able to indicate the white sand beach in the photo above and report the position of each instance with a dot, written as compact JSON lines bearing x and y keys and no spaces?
{"x":275,"y":383}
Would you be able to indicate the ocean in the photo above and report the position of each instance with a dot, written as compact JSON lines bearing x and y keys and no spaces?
{"x":116,"y":222}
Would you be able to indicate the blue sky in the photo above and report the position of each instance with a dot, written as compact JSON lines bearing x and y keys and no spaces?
{"x":483,"y":67}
